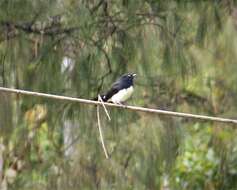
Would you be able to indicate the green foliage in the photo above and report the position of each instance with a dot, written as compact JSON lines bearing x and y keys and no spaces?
{"x":184,"y":55}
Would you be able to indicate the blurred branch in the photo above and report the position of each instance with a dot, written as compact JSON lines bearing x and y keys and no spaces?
{"x":30,"y":27}
{"x":95,"y":43}
{"x":2,"y":148}
{"x":71,"y":143}
{"x":2,"y":69}
{"x":96,"y":7}
{"x":102,"y":80}
{"x":105,"y":54}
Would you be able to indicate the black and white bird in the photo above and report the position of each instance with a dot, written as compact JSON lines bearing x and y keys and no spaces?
{"x":121,"y":90}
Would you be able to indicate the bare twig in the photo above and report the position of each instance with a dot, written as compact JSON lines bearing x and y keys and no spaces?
{"x":1,"y":162}
{"x":50,"y":30}
{"x":95,"y":43}
{"x":106,"y":111}
{"x":71,"y":143}
{"x":95,"y":8}
{"x":133,"y":108}
{"x":100,"y":131}
{"x":102,"y":80}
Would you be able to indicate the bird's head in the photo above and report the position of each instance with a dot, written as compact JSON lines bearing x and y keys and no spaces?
{"x":129,"y":76}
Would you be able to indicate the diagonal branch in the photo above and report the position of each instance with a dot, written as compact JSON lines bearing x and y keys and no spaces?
{"x":101,"y":134}
{"x":106,"y":111}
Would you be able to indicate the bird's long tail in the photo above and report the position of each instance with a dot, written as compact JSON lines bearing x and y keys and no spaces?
{"x":103,"y":97}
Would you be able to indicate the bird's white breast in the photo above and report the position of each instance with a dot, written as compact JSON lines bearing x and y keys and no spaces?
{"x":122,"y":95}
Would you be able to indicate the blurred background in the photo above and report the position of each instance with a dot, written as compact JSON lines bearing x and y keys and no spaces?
{"x":185,"y":57}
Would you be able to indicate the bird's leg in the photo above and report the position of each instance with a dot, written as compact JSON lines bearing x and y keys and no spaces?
{"x":120,"y":103}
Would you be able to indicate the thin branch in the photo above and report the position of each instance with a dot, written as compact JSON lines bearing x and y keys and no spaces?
{"x":133,"y":108}
{"x":100,"y":131}
{"x":2,"y":148}
{"x":71,"y":143}
{"x":106,"y":111}
{"x":49,"y":30}
{"x":102,"y":80}
{"x":95,"y":43}
{"x":96,"y":7}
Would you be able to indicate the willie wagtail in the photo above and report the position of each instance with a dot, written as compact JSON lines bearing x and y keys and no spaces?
{"x":121,"y":90}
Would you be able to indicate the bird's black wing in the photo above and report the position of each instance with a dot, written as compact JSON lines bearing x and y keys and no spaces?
{"x":117,"y":86}
{"x":114,"y":89}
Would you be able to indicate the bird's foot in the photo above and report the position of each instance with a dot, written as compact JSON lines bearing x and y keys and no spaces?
{"x":120,"y":103}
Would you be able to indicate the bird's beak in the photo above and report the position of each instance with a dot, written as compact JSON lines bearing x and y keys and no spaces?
{"x":134,"y":75}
